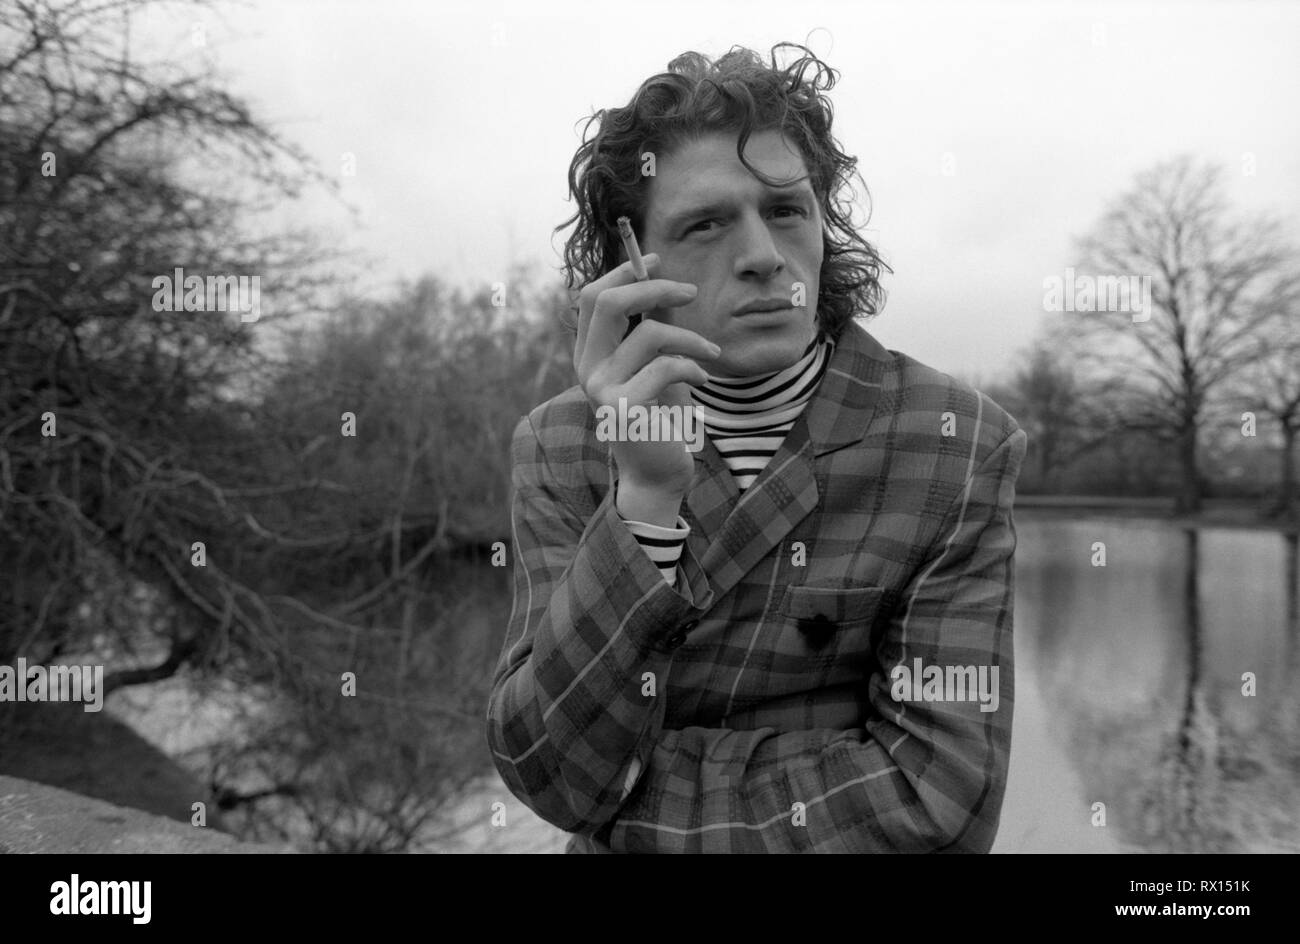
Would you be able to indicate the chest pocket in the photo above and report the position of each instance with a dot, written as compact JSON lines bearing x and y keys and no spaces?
{"x":820,"y":613}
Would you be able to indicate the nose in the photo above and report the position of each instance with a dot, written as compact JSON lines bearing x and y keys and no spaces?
{"x":758,"y":255}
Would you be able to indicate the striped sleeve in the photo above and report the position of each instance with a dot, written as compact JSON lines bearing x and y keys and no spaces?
{"x":664,"y":545}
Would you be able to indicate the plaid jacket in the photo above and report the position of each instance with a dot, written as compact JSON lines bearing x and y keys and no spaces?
{"x":757,"y":694}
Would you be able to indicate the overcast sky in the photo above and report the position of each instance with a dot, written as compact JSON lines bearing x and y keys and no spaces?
{"x":463,"y":119}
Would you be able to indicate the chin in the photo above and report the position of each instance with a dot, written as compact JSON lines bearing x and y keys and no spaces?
{"x":763,"y":355}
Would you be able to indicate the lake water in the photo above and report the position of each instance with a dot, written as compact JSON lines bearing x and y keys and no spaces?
{"x":1133,"y":689}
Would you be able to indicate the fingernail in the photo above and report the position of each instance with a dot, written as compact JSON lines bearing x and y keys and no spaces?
{"x":691,"y":290}
{"x":714,"y":348}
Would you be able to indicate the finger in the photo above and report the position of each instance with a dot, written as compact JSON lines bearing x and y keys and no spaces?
{"x":619,"y":275}
{"x":608,"y":322}
{"x":652,"y":380}
{"x":677,"y":394}
{"x":650,"y":339}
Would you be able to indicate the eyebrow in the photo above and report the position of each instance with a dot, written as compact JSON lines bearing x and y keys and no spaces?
{"x":714,"y":207}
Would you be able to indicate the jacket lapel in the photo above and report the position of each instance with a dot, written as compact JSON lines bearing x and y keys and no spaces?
{"x":712,"y":496}
{"x":731,"y":533}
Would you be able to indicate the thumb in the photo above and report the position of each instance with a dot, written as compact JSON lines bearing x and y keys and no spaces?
{"x":688,"y":421}
{"x":676,"y":394}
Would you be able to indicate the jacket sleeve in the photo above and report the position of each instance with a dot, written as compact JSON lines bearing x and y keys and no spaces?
{"x":589,"y":642}
{"x":919,"y":776}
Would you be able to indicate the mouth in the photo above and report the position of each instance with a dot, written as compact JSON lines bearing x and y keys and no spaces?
{"x":763,"y":309}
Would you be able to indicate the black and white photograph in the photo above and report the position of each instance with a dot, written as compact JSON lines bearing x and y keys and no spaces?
{"x":706,"y":427}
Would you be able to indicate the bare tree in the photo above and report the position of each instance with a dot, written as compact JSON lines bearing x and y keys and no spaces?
{"x":115,"y":431}
{"x":325,"y":554}
{"x":1061,"y":412}
{"x":1270,"y":387}
{"x":130,"y":435}
{"x":1211,"y":276}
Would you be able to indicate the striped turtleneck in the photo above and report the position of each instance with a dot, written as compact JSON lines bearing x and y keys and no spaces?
{"x":746,"y":418}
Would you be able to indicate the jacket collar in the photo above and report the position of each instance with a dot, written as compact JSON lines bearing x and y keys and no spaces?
{"x":846,"y":398}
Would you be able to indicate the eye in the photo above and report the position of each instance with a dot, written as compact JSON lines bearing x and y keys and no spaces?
{"x":793,"y":206}
{"x":695,"y":227}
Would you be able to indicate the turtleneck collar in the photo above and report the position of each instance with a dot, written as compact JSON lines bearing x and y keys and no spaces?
{"x":764,"y":399}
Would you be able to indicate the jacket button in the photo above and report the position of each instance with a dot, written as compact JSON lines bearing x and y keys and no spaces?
{"x":676,"y":640}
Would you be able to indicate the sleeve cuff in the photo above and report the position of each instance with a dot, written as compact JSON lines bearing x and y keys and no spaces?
{"x":663,"y":545}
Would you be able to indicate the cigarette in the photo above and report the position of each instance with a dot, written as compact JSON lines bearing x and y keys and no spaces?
{"x":633,"y":250}
{"x":638,"y":264}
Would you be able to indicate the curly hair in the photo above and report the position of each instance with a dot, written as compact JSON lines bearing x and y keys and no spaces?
{"x":736,"y":93}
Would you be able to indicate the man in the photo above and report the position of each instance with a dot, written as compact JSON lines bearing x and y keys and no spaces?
{"x":798,"y":637}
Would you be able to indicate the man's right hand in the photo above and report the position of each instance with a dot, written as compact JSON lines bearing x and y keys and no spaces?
{"x":653,"y":476}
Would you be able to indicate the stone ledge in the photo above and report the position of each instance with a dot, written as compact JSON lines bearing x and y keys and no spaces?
{"x":35,"y":818}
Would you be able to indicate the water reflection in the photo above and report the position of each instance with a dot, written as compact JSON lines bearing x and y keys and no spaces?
{"x":1291,"y":572}
{"x":1140,"y":663}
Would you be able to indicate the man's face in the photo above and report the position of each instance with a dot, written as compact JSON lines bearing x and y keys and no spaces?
{"x":715,"y":224}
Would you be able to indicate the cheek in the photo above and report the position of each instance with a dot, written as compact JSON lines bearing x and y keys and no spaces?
{"x":812,"y":248}
{"x":685,"y":316}
{"x":697,"y":266}
{"x":711,"y":280}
